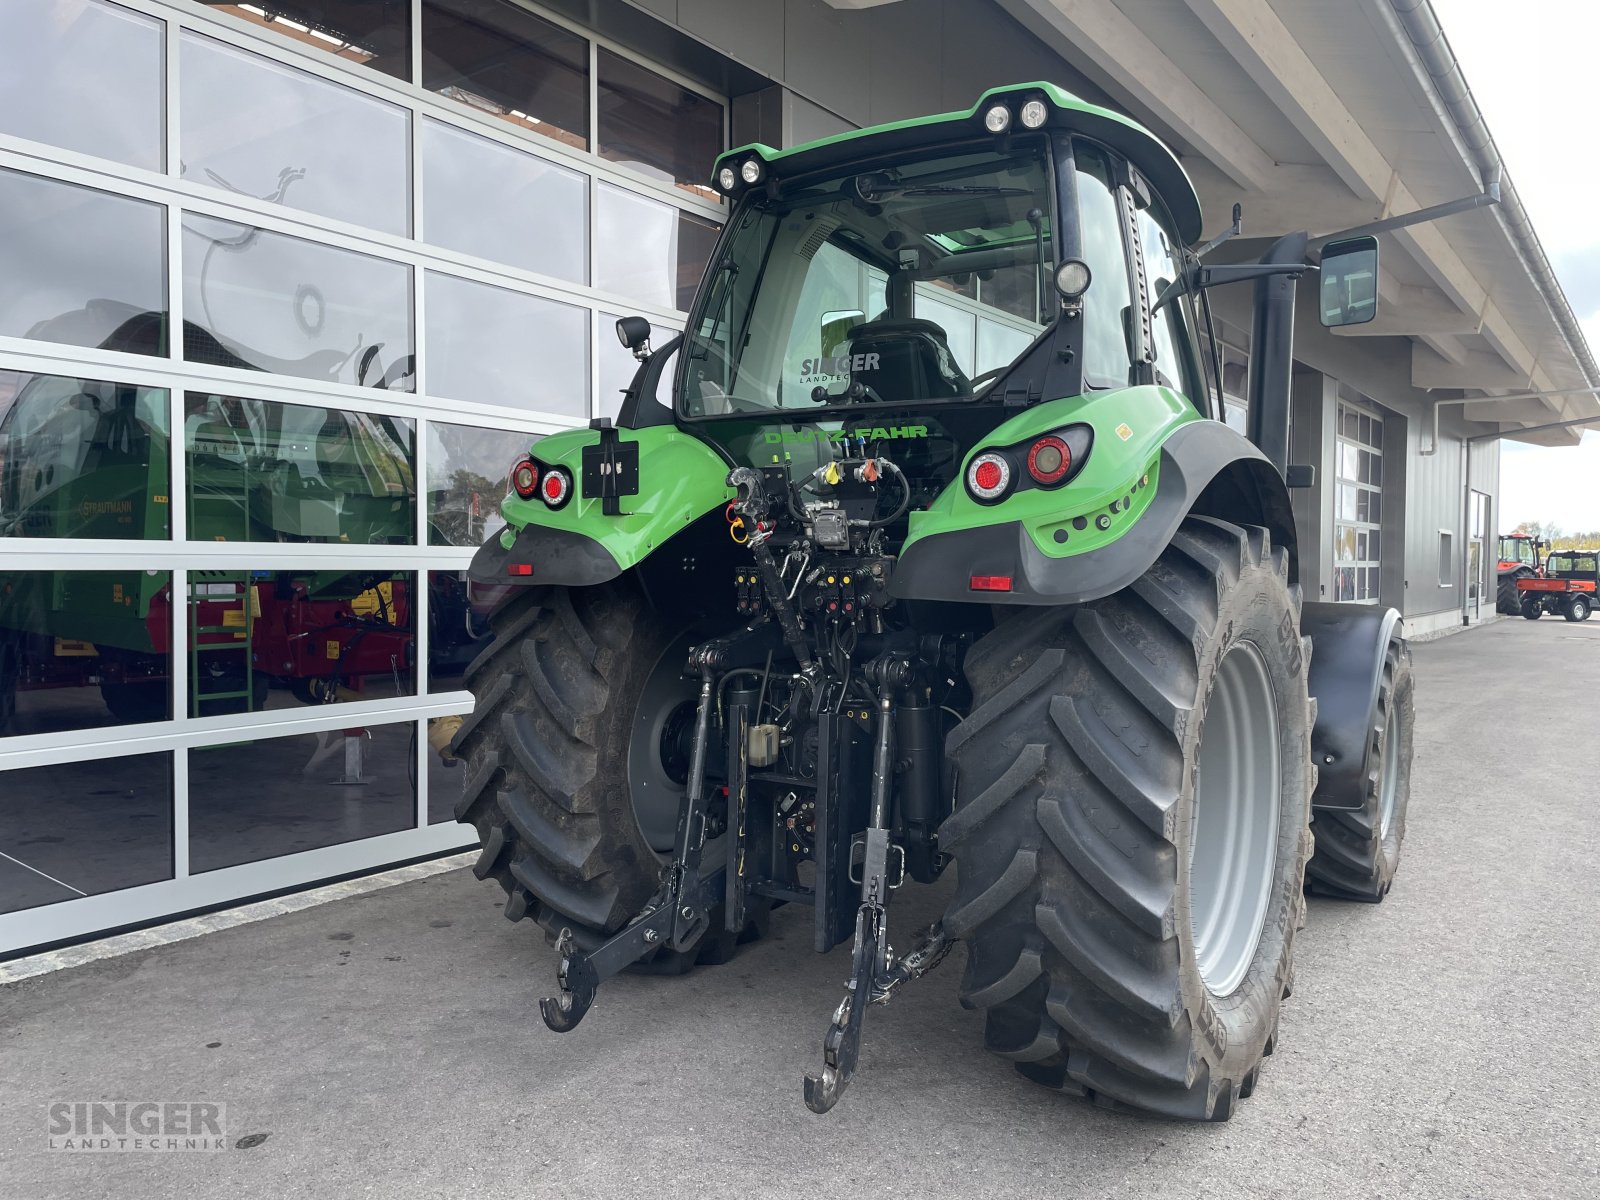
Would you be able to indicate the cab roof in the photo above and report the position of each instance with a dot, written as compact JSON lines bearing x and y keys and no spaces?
{"x":1141,"y":147}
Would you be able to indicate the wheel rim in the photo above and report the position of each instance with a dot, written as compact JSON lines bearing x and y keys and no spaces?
{"x":1391,"y":772}
{"x":1234,"y":836}
{"x":657,"y":752}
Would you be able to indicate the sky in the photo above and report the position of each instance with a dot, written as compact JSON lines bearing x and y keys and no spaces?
{"x":1531,"y":67}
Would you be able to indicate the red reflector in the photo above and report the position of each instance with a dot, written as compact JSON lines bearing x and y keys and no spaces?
{"x":990,"y":583}
{"x":987,"y":476}
{"x":519,"y":568}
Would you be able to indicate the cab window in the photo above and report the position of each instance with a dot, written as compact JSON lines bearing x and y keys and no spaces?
{"x":1171,"y":341}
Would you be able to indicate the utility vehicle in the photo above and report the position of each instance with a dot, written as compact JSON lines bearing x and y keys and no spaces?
{"x":1519,"y":559}
{"x":1570,"y":586}
{"x":938,"y":556}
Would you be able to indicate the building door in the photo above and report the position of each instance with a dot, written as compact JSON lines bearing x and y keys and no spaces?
{"x":1479,"y":564}
{"x":1358,"y":504}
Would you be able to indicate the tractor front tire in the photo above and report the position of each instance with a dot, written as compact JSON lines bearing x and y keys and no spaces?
{"x":1357,"y":851}
{"x":1130,"y":884}
{"x":561,"y":694}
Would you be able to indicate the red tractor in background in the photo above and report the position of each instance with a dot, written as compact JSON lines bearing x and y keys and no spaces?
{"x":1519,"y":559}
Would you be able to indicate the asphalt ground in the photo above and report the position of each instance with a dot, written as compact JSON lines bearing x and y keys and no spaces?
{"x":1444,"y":1044}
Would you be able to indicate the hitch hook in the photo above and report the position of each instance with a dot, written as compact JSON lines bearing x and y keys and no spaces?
{"x":578,"y":980}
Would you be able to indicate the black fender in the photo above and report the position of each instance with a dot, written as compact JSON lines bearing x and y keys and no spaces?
{"x":1206,"y":469}
{"x":563,"y":557}
{"x":1348,"y":646}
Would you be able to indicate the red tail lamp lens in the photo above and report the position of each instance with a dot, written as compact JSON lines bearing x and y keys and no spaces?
{"x":990,"y":583}
{"x":557,"y":487}
{"x":525,"y":478}
{"x":1049,"y":460}
{"x":989,"y":476}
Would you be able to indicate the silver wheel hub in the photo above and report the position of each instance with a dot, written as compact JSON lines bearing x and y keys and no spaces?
{"x":1391,"y":772}
{"x":1233,"y":839}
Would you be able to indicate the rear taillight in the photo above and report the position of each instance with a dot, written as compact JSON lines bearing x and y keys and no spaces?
{"x":525,"y":478}
{"x":1049,"y":460}
{"x":556,"y":487}
{"x":989,"y":477}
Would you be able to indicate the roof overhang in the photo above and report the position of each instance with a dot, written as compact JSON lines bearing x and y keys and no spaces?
{"x":1322,"y":116}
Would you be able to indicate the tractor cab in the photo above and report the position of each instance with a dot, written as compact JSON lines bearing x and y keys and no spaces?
{"x":1521,"y":550}
{"x":905,"y":301}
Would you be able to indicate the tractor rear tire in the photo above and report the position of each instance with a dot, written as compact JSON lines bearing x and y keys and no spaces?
{"x":1507,"y":599}
{"x":1098,"y":943}
{"x":1532,"y":609}
{"x":1578,"y":608}
{"x":1357,"y":851}
{"x":560,"y":695}
{"x":138,"y":702}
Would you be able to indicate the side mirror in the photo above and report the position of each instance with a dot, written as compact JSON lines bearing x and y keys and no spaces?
{"x":836,"y":327}
{"x":634,"y":334}
{"x":1349,"y":294}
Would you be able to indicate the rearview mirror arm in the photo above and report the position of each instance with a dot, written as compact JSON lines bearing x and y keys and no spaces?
{"x":1197,"y":278}
{"x":1484,"y":199}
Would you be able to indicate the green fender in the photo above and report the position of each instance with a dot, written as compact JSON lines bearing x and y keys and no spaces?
{"x":681,"y":479}
{"x":1153,"y":460}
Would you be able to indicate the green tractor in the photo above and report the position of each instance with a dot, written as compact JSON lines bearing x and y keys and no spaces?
{"x":938,"y":554}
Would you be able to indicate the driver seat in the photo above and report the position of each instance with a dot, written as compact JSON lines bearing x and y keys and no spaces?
{"x":913,"y":360}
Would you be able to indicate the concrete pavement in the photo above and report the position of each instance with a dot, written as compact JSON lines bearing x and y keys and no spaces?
{"x":1444,"y":1044}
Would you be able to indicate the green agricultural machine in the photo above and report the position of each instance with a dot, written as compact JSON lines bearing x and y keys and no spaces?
{"x":89,"y":459}
{"x":939,"y":556}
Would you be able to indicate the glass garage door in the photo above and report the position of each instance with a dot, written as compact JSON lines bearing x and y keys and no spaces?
{"x":287,"y":287}
{"x":1358,"y":504}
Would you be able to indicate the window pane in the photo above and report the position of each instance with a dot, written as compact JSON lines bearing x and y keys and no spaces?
{"x":617,"y":365}
{"x":254,"y":800}
{"x":959,"y":325}
{"x":467,"y":470}
{"x":458,"y":630}
{"x":84,"y":828}
{"x":445,"y":772}
{"x":1105,"y":345}
{"x":81,"y":458}
{"x":266,"y":472}
{"x":281,"y":639}
{"x":999,"y":344}
{"x":84,"y":76}
{"x":1014,"y":290}
{"x":84,"y":649}
{"x":500,"y":59}
{"x":81,"y":267}
{"x":649,"y":251}
{"x":265,"y":301}
{"x":374,"y":33}
{"x":534,"y":216}
{"x":494,"y":346}
{"x":697,"y":240}
{"x":252,"y":126}
{"x":1167,"y":331}
{"x":655,"y":126}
